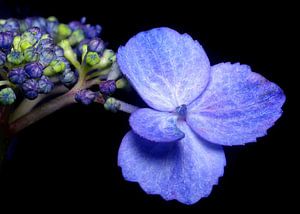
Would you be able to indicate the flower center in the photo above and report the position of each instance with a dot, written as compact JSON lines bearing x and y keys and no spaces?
{"x":181,"y":111}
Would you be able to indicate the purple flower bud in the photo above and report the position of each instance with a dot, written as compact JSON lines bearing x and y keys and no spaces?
{"x":17,"y":75}
{"x":58,"y":51}
{"x":30,"y":89}
{"x":107,"y":87}
{"x":52,"y":27}
{"x":12,"y":25}
{"x":2,"y":58}
{"x":47,"y":43}
{"x":92,"y":31}
{"x":68,"y":78}
{"x":97,"y":45}
{"x":46,"y":57}
{"x":75,"y":25}
{"x":36,"y":32}
{"x":6,"y":40}
{"x":45,"y":85}
{"x":36,"y":22}
{"x":85,"y":97}
{"x":34,"y":69}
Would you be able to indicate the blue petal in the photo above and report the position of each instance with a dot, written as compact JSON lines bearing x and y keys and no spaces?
{"x":166,"y":68}
{"x":237,"y":107}
{"x":155,"y":126}
{"x":185,"y":171}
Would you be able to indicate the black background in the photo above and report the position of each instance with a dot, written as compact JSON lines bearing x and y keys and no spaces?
{"x":69,"y":159}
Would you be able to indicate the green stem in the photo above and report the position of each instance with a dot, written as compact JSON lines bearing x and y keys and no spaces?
{"x":42,"y":111}
{"x":98,"y":73}
{"x":5,"y":82}
{"x":27,"y":105}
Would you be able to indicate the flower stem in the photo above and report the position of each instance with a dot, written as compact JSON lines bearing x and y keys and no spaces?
{"x":126,"y":107}
{"x":27,"y":105}
{"x":42,"y":111}
{"x":5,"y":82}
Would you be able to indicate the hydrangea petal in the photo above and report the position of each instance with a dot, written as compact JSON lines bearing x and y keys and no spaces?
{"x":237,"y":107}
{"x":155,"y":125}
{"x":166,"y":68}
{"x":185,"y":171}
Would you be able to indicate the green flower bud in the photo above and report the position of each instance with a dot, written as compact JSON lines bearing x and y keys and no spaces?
{"x":16,"y":43}
{"x":49,"y":71}
{"x":15,"y":57}
{"x":30,"y":55}
{"x":58,"y":66}
{"x":111,"y":104}
{"x":107,"y":58}
{"x":52,"y":19}
{"x":122,"y":83}
{"x":76,"y":37}
{"x":24,"y":44}
{"x":92,"y":58}
{"x":7,"y":96}
{"x":63,"y":30}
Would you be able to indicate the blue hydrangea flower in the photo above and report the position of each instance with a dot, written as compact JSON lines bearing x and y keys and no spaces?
{"x":175,"y":146}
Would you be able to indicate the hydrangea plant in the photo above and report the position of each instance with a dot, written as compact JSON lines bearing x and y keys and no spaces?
{"x":175,"y":146}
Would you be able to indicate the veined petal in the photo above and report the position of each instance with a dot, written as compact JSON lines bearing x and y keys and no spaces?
{"x":185,"y":170}
{"x":166,"y":68}
{"x":237,"y":107}
{"x":155,"y":125}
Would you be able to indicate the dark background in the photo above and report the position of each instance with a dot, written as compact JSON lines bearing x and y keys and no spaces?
{"x":69,"y":159}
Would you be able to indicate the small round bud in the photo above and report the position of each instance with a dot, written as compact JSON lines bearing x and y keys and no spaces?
{"x":36,"y":22}
{"x":97,"y":45}
{"x":107,"y":87}
{"x":68,"y":78}
{"x":92,"y":58}
{"x":46,"y":56}
{"x":15,"y":57}
{"x":7,"y":96}
{"x":46,"y":43}
{"x":76,"y":37}
{"x":58,"y":66}
{"x":34,"y":69}
{"x":6,"y":40}
{"x":11,"y":25}
{"x":17,"y":75}
{"x":2,"y":58}
{"x":85,"y":97}
{"x":16,"y":42}
{"x":121,"y":83}
{"x":75,"y":25}
{"x":92,"y":31}
{"x":111,"y":104}
{"x":58,"y":51}
{"x":30,"y":55}
{"x":45,"y":85}
{"x":30,"y":89}
{"x":64,"y":30}
{"x":35,"y":32}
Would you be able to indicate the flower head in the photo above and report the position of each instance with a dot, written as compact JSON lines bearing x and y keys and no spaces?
{"x":175,"y":146}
